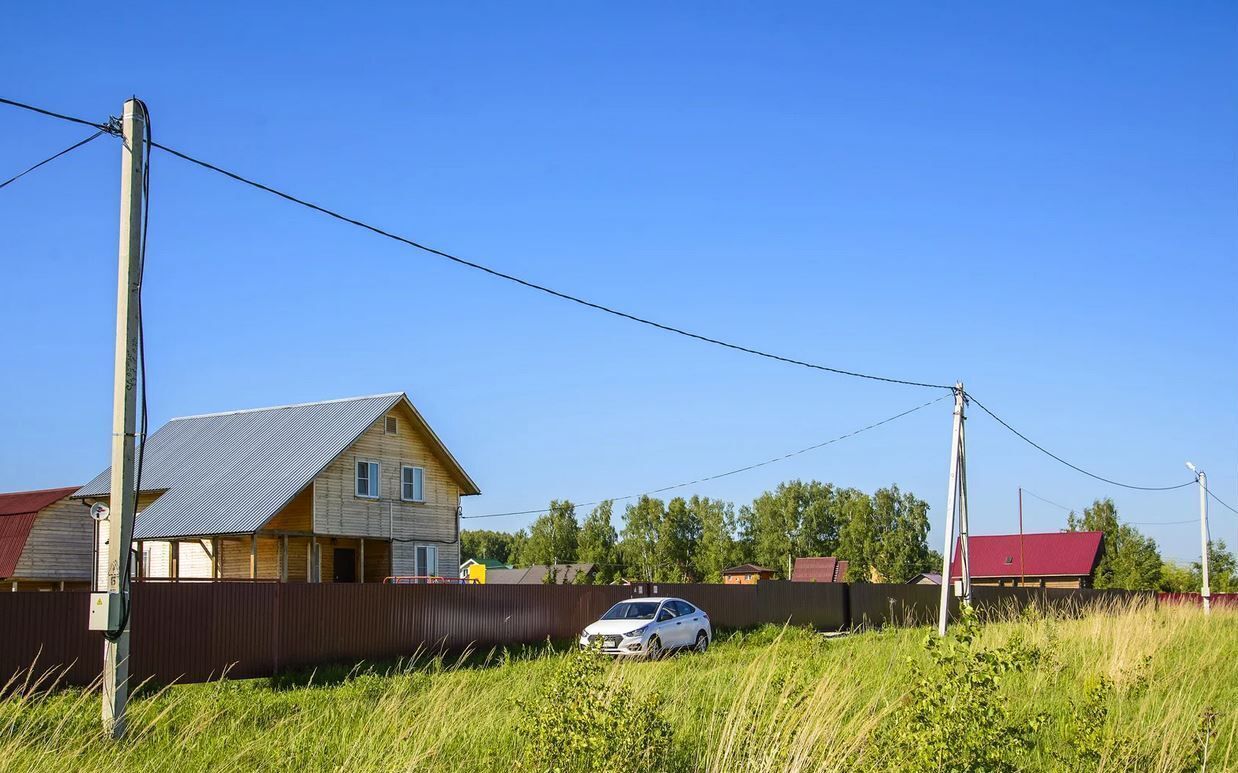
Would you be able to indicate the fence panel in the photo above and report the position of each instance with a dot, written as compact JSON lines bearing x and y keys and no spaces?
{"x":821,"y":605}
{"x":45,"y":637}
{"x":878,"y":604}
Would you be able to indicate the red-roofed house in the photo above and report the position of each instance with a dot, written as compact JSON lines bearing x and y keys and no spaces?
{"x":1056,"y":560}
{"x":819,"y":569}
{"x":46,"y":541}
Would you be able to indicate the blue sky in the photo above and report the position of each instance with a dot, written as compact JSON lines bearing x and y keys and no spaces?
{"x":1037,"y":200}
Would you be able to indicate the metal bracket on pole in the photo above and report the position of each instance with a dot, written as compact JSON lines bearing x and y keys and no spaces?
{"x":956,"y":504}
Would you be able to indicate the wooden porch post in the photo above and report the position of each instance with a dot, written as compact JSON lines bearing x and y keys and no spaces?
{"x":313,"y":567}
{"x":141,"y":574}
{"x":283,"y":558}
{"x":361,"y":562}
{"x":174,"y":559}
{"x":214,"y":558}
{"x":253,"y":556}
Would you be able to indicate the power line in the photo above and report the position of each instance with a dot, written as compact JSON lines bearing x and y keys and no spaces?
{"x":1161,"y":523}
{"x":49,"y":159}
{"x":1075,"y":467}
{"x":725,"y":474}
{"x":1034,"y":495}
{"x":109,"y":127}
{"x":1222,"y":502}
{"x":540,"y":288}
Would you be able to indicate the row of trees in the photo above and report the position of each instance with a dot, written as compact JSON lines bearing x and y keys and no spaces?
{"x":882,"y":536}
{"x":1132,"y":560}
{"x":694,"y":539}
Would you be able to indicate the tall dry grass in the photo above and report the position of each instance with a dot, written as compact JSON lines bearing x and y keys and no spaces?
{"x":770,"y":700}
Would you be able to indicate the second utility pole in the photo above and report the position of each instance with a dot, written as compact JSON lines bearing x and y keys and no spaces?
{"x":124,"y":414}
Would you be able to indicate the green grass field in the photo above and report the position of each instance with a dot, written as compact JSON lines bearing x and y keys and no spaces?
{"x":1132,"y":689}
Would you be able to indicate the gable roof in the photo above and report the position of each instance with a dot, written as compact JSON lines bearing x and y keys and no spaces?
{"x":489,"y":563}
{"x":1057,"y":554}
{"x":18,"y":512}
{"x":747,"y":569}
{"x":819,"y":569}
{"x":228,"y":473}
{"x":536,"y":575}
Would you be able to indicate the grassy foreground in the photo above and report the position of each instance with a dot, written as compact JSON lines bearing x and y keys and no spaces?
{"x":1136,"y":689}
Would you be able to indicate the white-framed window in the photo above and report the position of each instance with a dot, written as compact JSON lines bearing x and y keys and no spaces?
{"x":367,"y":479}
{"x":427,"y":561}
{"x":412,"y":484}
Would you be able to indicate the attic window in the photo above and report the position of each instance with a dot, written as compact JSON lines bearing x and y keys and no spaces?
{"x":391,"y":425}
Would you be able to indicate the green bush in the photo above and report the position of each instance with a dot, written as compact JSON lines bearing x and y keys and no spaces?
{"x":582,"y":722}
{"x":954,"y":718}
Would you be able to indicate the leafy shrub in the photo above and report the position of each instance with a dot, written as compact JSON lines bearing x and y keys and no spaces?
{"x":953,"y":718}
{"x":582,"y":723}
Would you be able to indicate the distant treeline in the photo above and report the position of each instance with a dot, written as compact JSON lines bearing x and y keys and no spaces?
{"x":882,"y":535}
{"x":694,"y":539}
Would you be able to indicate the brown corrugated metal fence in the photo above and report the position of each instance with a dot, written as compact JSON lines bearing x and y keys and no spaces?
{"x":196,"y":632}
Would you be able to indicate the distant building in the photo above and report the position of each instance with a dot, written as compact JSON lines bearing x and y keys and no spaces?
{"x":564,"y":574}
{"x":1054,"y":560}
{"x":926,"y":578}
{"x":746,"y":574}
{"x":46,"y":541}
{"x":819,"y":569}
{"x":476,"y":568}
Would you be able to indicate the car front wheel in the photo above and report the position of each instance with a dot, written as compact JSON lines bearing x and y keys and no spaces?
{"x":653,"y":650}
{"x":702,"y":642}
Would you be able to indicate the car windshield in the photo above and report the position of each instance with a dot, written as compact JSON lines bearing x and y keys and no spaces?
{"x":632,"y":610}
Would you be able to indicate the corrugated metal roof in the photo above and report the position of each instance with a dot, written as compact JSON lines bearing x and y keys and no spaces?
{"x":1070,"y":554}
{"x":819,"y":569}
{"x":228,"y":473}
{"x":18,"y":512}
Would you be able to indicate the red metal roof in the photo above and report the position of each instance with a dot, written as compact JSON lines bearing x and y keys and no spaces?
{"x":18,"y":511}
{"x":1071,"y":554}
{"x":819,"y":569}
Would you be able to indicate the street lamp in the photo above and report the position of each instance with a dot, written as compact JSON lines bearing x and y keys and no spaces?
{"x":1204,"y":591}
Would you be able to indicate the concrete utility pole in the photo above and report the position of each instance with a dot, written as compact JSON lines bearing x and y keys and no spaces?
{"x":124,"y":417}
{"x":956,"y":502}
{"x":1204,"y":591}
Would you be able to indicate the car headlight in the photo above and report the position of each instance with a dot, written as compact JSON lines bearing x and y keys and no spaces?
{"x":638,"y":632}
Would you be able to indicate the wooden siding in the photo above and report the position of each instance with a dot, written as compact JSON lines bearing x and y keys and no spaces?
{"x":144,"y":501}
{"x":338,"y":511}
{"x":59,"y":546}
{"x":297,"y":515}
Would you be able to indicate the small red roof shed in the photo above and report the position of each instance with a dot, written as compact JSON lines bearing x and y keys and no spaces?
{"x":18,"y":512}
{"x":1057,"y":554}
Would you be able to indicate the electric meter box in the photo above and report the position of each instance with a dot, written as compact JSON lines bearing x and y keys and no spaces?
{"x":105,"y":611}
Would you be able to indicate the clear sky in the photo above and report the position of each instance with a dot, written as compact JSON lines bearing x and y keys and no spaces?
{"x":1038,"y":200}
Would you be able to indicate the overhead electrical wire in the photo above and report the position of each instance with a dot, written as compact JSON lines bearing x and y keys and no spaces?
{"x":541,"y":288}
{"x":1075,"y":467}
{"x":1034,"y":495}
{"x":729,"y":472}
{"x":49,"y":159}
{"x":111,"y":128}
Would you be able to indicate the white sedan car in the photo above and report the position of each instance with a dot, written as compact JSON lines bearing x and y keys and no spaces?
{"x":649,"y":627}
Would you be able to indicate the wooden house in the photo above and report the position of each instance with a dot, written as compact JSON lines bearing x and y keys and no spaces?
{"x":746,"y":574}
{"x":819,"y":569}
{"x":45,"y":541}
{"x":351,"y":490}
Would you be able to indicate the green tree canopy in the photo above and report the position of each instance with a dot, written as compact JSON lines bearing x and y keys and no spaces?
{"x":598,"y":543}
{"x":1222,"y":570}
{"x":716,"y":549}
{"x":641,"y":522}
{"x":484,"y":543}
{"x":1129,"y":559}
{"x":553,"y":537}
{"x":796,"y":519}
